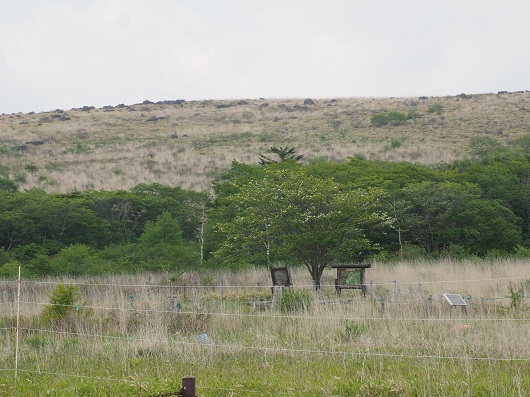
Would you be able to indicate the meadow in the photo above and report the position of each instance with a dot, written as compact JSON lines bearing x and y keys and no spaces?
{"x":190,"y":143}
{"x":137,"y":335}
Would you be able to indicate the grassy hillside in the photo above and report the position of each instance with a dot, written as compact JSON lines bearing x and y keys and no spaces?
{"x":189,"y":143}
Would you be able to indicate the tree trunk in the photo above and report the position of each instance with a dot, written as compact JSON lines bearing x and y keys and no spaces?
{"x":316,"y":274}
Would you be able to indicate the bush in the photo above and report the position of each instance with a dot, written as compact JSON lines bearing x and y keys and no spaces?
{"x":294,"y":301}
{"x":9,"y":270}
{"x":64,"y":300}
{"x":485,"y":146}
{"x":392,"y":118}
{"x":435,"y":108}
{"x":411,"y":252}
{"x":7,"y":185}
{"x":74,"y":260}
{"x":454,"y":251}
{"x":522,"y":252}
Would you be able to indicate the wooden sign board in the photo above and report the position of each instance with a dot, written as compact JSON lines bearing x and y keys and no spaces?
{"x":350,"y":276}
{"x":281,"y":276}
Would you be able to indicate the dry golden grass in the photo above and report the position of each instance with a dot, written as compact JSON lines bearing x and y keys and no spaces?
{"x":128,"y":326}
{"x":121,"y":147}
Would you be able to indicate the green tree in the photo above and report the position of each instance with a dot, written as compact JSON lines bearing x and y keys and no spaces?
{"x":74,"y":260}
{"x":7,"y":185}
{"x":283,"y":153}
{"x":161,"y":246}
{"x":438,"y":215}
{"x":307,"y":217}
{"x":166,"y":230}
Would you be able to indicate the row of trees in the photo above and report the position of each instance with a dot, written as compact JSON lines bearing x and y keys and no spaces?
{"x":276,"y":211}
{"x":102,"y":231}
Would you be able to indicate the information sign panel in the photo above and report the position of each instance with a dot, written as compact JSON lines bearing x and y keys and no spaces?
{"x":455,"y":299}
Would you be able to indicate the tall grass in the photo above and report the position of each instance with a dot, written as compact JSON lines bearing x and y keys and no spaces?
{"x":136,"y":335}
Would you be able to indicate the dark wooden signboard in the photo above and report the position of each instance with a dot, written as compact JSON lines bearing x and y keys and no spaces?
{"x":281,"y":276}
{"x":351,"y":276}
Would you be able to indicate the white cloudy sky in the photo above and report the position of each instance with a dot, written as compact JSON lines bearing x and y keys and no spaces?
{"x":71,"y":53}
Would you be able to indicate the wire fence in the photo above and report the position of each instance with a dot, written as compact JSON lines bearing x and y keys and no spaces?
{"x":400,"y":303}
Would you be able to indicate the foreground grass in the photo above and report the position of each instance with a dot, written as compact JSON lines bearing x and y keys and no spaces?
{"x":227,"y":374}
{"x":128,"y":339}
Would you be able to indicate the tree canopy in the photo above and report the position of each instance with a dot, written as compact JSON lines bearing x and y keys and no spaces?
{"x":291,"y":213}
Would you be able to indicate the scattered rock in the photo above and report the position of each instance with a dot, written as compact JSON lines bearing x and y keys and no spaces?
{"x":174,"y":136}
{"x":229,"y":105}
{"x":309,"y":101}
{"x":120,"y":106}
{"x":173,"y":102}
{"x":147,"y":102}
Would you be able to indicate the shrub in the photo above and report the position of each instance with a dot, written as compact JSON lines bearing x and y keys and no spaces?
{"x":293,"y":301}
{"x":9,"y":270}
{"x":8,"y":185}
{"x":32,"y":168}
{"x":484,"y":146}
{"x":522,"y":252}
{"x":392,"y":118}
{"x":435,"y":108}
{"x":73,"y":260}
{"x":63,"y":300}
{"x":523,"y":142}
{"x":20,"y":176}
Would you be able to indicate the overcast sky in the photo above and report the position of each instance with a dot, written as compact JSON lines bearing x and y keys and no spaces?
{"x":71,"y":53}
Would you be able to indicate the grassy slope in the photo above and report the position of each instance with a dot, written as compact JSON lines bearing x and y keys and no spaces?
{"x":189,"y":144}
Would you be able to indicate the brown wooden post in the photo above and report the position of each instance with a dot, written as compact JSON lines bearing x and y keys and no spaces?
{"x":188,"y":386}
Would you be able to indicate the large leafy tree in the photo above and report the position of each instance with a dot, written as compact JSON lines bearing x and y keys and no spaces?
{"x":309,"y":218}
{"x":438,"y":215}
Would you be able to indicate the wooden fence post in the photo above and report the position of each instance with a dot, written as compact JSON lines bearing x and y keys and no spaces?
{"x":188,"y":386}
